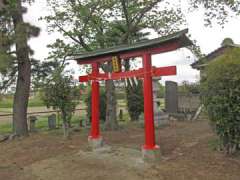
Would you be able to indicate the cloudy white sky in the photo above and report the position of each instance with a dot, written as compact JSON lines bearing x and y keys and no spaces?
{"x":208,"y":38}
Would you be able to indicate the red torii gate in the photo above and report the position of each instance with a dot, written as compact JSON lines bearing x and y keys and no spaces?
{"x":142,"y":49}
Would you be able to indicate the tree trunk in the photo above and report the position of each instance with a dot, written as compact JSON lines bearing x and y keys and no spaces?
{"x":24,"y":74}
{"x":65,"y":125}
{"x":111,"y":111}
{"x":111,"y":103}
{"x":66,"y":130}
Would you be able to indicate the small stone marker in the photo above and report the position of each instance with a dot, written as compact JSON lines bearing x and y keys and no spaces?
{"x":32,"y":121}
{"x":52,"y":121}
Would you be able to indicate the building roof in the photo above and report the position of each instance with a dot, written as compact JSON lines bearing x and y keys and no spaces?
{"x":178,"y":36}
{"x":201,"y":63}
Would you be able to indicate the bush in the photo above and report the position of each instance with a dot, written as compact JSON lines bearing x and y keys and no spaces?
{"x":189,"y":88}
{"x":62,"y":93}
{"x":135,"y":100}
{"x":102,"y":105}
{"x":221,"y":97}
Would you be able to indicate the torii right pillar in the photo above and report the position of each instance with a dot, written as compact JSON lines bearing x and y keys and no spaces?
{"x":150,"y":150}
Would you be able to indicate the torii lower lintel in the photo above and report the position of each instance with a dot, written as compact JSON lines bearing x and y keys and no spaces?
{"x":161,"y":71}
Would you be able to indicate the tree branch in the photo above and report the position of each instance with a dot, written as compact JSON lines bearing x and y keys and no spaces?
{"x":67,"y":33}
{"x":85,"y":23}
{"x":125,"y":11}
{"x":141,"y":14}
{"x":138,"y":18}
{"x":83,"y":44}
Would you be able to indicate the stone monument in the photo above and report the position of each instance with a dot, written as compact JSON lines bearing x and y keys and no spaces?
{"x":171,"y":97}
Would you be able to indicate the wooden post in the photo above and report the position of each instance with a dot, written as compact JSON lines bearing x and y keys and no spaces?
{"x":148,"y":104}
{"x":95,"y":134}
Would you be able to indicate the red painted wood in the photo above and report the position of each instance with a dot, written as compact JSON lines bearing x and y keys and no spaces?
{"x":83,"y":78}
{"x":95,"y":133}
{"x":164,"y":71}
{"x":148,"y":104}
{"x":139,"y":73}
{"x":136,"y":53}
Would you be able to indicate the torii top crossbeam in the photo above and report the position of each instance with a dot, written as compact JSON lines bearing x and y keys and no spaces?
{"x":154,"y":46}
{"x":144,"y":50}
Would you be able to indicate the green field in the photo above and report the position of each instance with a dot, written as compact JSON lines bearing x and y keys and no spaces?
{"x":41,"y":124}
{"x":8,"y":102}
{"x":5,"y":128}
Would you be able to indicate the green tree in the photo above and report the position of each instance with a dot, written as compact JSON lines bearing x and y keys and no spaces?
{"x":221,"y":97}
{"x":90,"y":25}
{"x":17,"y":63}
{"x":61,"y":92}
{"x":6,"y":41}
{"x":218,"y":11}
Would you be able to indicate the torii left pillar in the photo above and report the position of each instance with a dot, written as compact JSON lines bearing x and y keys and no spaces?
{"x":150,"y":150}
{"x":95,"y":140}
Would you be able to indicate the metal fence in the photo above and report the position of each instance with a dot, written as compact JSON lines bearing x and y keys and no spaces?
{"x":38,"y":113}
{"x":78,"y":119}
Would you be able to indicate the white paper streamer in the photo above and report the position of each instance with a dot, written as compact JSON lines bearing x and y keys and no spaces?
{"x":126,"y":82}
{"x":131,"y":83}
{"x":135,"y":80}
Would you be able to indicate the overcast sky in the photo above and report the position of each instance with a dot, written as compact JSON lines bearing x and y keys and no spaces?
{"x":208,"y":38}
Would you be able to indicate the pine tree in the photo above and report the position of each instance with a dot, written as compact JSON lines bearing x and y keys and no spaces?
{"x":17,"y":63}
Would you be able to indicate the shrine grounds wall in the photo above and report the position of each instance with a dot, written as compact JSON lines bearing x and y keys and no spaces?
{"x":180,"y":102}
{"x":188,"y":102}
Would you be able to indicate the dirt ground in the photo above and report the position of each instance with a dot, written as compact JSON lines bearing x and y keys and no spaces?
{"x":186,"y":155}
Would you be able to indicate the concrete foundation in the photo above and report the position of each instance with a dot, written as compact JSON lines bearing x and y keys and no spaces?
{"x":95,"y":143}
{"x":151,"y":155}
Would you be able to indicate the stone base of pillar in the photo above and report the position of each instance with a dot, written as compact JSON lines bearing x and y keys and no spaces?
{"x":151,"y":155}
{"x":95,"y":143}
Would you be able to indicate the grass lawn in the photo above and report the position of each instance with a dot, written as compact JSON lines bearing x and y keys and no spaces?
{"x":8,"y":102}
{"x":5,"y":128}
{"x":5,"y":110}
{"x":41,"y":123}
